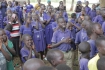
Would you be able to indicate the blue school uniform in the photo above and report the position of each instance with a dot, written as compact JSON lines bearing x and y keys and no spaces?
{"x":1,"y":20}
{"x":49,"y":30}
{"x":54,"y":25}
{"x":81,"y":36}
{"x":87,"y":10}
{"x":29,"y":7}
{"x":65,"y":15}
{"x":59,"y":36}
{"x":94,"y":50}
{"x":3,"y":8}
{"x":99,"y":19}
{"x":92,"y":14}
{"x":39,"y":37}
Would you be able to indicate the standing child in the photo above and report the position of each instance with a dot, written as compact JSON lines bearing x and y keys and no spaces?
{"x":38,"y":36}
{"x":29,"y":7}
{"x":28,"y":51}
{"x":92,"y":13}
{"x":9,"y":46}
{"x":94,"y":31}
{"x":84,"y":48}
{"x":26,"y":29}
{"x":62,"y":39}
{"x":4,"y":54}
{"x":48,"y":29}
{"x":87,"y":8}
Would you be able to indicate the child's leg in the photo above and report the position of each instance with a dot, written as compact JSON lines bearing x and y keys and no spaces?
{"x":42,"y":53}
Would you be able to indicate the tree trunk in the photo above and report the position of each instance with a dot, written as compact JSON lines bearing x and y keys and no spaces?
{"x":64,"y":1}
{"x":72,"y":5}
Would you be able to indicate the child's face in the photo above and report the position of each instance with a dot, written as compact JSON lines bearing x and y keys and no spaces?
{"x":28,"y":41}
{"x":1,"y":35}
{"x":38,"y":1}
{"x":93,"y":6}
{"x":28,"y":21}
{"x":49,"y":3}
{"x":4,"y":36}
{"x":70,"y":26}
{"x":62,"y":24}
{"x":98,"y":29}
{"x":86,"y":3}
{"x":49,"y":9}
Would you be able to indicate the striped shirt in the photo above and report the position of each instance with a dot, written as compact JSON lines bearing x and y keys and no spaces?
{"x":15,"y":29}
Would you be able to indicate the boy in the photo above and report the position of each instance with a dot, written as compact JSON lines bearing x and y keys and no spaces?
{"x":55,"y":57}
{"x":62,"y":67}
{"x":100,"y":44}
{"x":101,"y":63}
{"x":33,"y":64}
{"x":84,"y":48}
{"x":94,"y":31}
{"x":62,"y":39}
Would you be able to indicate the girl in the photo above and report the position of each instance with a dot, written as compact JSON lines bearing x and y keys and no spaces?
{"x":48,"y":29}
{"x":28,"y":51}
{"x":26,"y":29}
{"x":38,"y":36}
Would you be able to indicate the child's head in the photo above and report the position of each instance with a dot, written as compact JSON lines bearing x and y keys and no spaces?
{"x":28,"y":20}
{"x":93,"y":6}
{"x":33,"y":64}
{"x":57,"y":15}
{"x":49,"y":2}
{"x":43,"y":7}
{"x":73,"y":15}
{"x":1,"y":34}
{"x":103,"y":13}
{"x":98,"y":11}
{"x":100,"y":44}
{"x":69,"y":26}
{"x":16,"y":3}
{"x":87,"y":18}
{"x":87,"y":3}
{"x":84,"y":48}
{"x":35,"y":16}
{"x":8,"y":27}
{"x":61,"y":23}
{"x":46,"y":68}
{"x":39,"y":1}
{"x":79,"y":3}
{"x":101,"y":63}
{"x":61,"y":3}
{"x":10,"y":3}
{"x":62,"y":67}
{"x":29,"y":15}
{"x":55,"y":57}
{"x":27,"y":39}
{"x":79,"y":20}
{"x":49,"y":9}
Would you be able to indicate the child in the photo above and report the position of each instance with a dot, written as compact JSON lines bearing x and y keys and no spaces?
{"x":9,"y":46}
{"x":84,"y":48}
{"x":63,"y":67}
{"x":62,"y":39}
{"x":94,"y":31}
{"x":100,"y":44}
{"x":87,"y":8}
{"x":49,"y":4}
{"x":38,"y":6}
{"x":38,"y":34}
{"x":33,"y":64}
{"x":48,"y":28}
{"x":28,"y":51}
{"x":46,"y":68}
{"x":55,"y":57}
{"x":82,"y":14}
{"x":29,"y":7}
{"x":101,"y":63}
{"x":26,"y":29}
{"x":92,"y":13}
{"x":5,"y":56}
{"x":78,"y":8}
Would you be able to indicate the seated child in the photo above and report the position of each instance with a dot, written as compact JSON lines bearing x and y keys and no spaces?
{"x":33,"y":64}
{"x":62,"y":67}
{"x":84,"y":48}
{"x":46,"y":68}
{"x":101,"y":63}
{"x":28,"y":51}
{"x":4,"y":54}
{"x":55,"y":57}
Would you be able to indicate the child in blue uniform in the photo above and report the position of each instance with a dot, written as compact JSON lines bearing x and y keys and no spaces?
{"x":87,"y":8}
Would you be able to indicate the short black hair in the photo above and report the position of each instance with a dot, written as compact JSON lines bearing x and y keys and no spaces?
{"x":63,"y":67}
{"x":73,"y":15}
{"x":51,"y":53}
{"x":16,"y":2}
{"x":83,"y":46}
{"x":24,"y":36}
{"x":99,"y":40}
{"x":8,"y":27}
{"x":101,"y":63}
{"x":46,"y":68}
{"x":60,"y":18}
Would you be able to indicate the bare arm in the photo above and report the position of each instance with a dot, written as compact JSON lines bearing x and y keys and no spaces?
{"x":30,"y":55}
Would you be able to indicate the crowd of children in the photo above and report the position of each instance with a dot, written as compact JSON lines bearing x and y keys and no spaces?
{"x":44,"y":32}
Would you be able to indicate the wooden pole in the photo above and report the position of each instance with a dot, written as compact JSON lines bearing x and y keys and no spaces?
{"x":72,"y":5}
{"x":102,"y":3}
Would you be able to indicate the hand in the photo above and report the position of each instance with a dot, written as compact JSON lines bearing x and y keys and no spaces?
{"x":33,"y":47}
{"x":1,"y":44}
{"x":6,"y":43}
{"x":65,"y":40}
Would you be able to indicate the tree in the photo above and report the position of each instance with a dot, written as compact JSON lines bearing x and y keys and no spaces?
{"x":72,"y":5}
